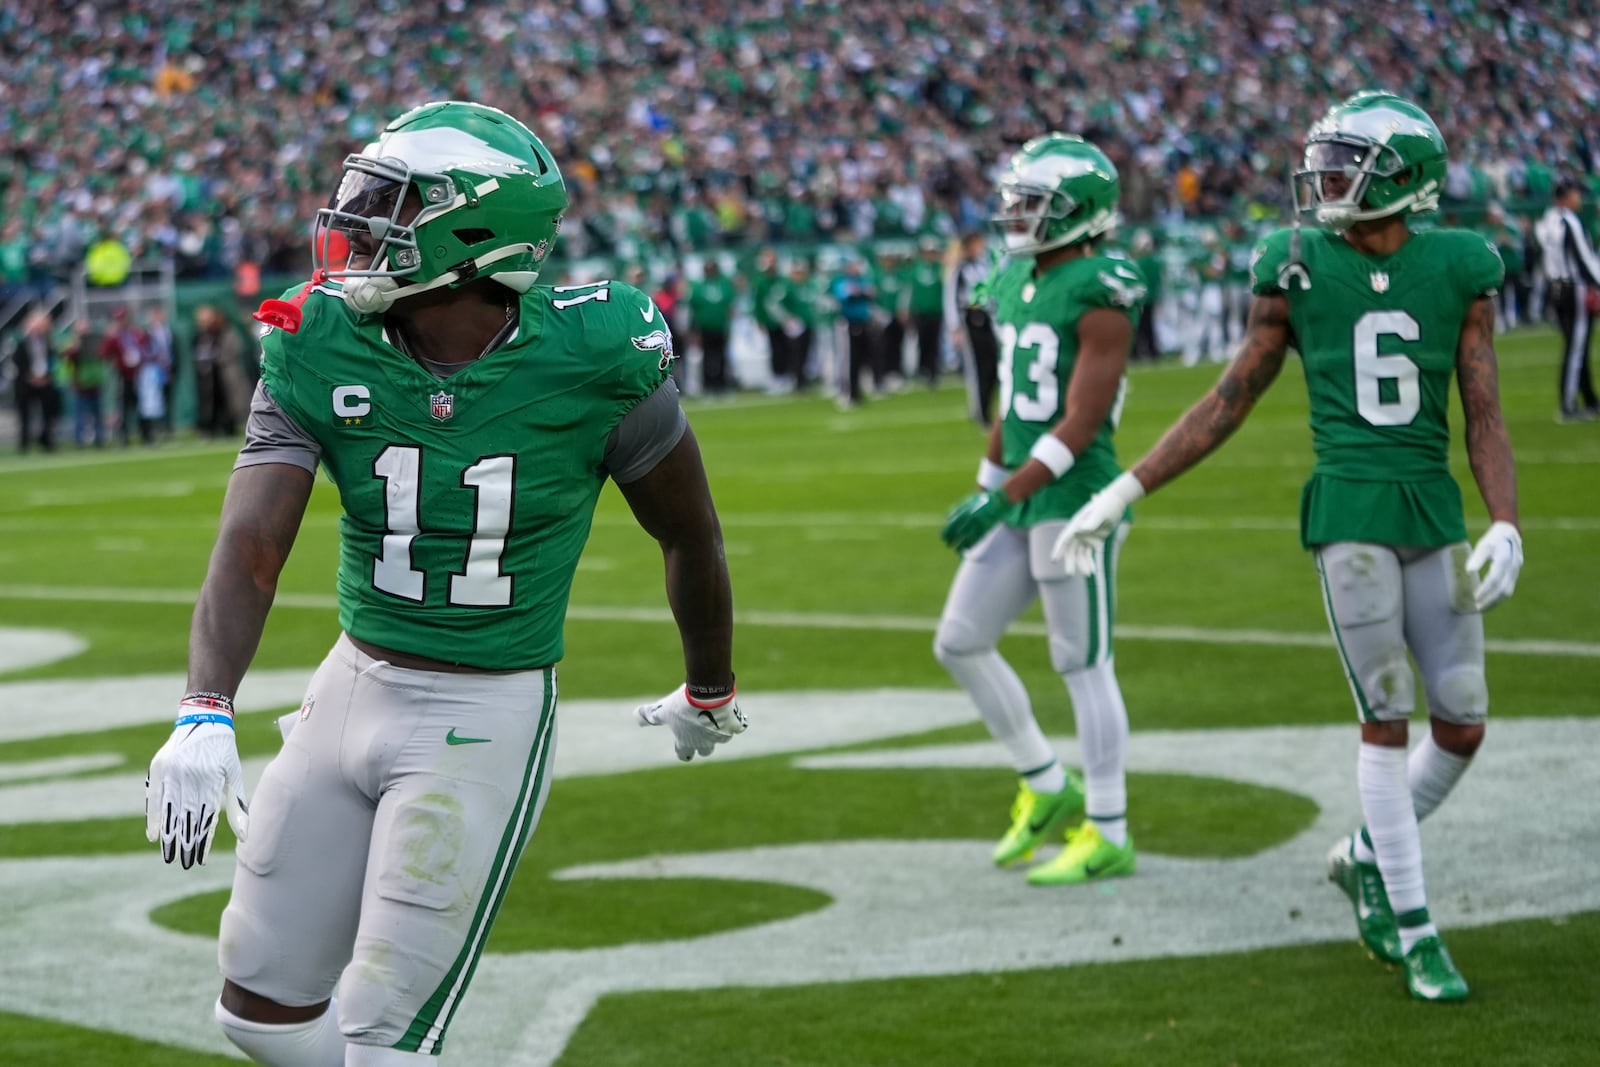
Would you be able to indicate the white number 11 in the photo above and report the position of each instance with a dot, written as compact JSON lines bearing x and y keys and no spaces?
{"x":480,"y":583}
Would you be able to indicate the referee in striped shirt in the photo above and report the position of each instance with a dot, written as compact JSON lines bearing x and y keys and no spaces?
{"x":1570,"y":264}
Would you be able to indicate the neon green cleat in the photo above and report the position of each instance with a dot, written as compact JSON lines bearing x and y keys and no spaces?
{"x":1088,"y":857}
{"x":1035,"y":816}
{"x":1363,"y":884}
{"x":1431,"y":974}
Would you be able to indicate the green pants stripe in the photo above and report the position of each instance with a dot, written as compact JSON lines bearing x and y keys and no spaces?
{"x":427,"y":1030}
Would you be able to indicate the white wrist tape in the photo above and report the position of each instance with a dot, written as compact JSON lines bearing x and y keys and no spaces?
{"x":990,"y":474}
{"x":1053,"y":454}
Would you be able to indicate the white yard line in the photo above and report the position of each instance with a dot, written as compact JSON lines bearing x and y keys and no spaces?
{"x":812,"y":620}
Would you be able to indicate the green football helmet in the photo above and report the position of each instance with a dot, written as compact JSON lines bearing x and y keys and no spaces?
{"x":1371,"y":156}
{"x":449,"y":192}
{"x":1057,"y":190}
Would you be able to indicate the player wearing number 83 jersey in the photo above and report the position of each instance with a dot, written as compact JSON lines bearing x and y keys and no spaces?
{"x":1065,"y":317}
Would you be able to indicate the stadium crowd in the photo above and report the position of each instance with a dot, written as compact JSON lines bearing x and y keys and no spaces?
{"x":209,"y":134}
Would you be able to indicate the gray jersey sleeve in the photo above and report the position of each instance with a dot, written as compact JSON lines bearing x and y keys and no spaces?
{"x":645,"y":435}
{"x":270,"y":436}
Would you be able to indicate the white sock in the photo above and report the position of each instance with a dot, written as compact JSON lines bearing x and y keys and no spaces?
{"x":313,"y":1043}
{"x":1433,"y":772}
{"x":1003,"y":703}
{"x":1392,"y":827}
{"x":1050,"y":779}
{"x":1102,"y":720}
{"x":378,"y":1056}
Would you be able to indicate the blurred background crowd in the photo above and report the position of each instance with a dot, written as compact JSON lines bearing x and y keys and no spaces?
{"x":202,"y":138}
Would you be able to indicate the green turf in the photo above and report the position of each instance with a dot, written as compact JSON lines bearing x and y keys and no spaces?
{"x":1532,"y":1006}
{"x":32,"y":1042}
{"x":831,"y":523}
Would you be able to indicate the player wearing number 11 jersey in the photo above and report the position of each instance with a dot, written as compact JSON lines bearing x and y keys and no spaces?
{"x":1381,"y":317}
{"x":1065,"y":318}
{"x":468,"y":418}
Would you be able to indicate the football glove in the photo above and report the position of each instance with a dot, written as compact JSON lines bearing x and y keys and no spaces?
{"x":191,"y":778}
{"x":1077,"y":548}
{"x":973,"y":517}
{"x":1501,"y":549}
{"x":698,"y":726}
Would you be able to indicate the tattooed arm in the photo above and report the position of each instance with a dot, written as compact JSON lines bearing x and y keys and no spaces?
{"x":1221,"y":411}
{"x":260,"y":517}
{"x":1488,"y":445}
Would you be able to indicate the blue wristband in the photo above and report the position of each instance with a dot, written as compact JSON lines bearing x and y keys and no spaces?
{"x":190,"y":720}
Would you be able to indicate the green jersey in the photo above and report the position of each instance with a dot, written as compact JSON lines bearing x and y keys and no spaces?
{"x":711,"y":304}
{"x":889,"y":289}
{"x":1377,"y":336}
{"x":1036,"y":322}
{"x":926,"y":281}
{"x":762,"y":285}
{"x":467,"y":500}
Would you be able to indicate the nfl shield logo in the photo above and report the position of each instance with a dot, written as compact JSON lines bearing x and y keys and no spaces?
{"x":1380,"y":281}
{"x":442,"y":405}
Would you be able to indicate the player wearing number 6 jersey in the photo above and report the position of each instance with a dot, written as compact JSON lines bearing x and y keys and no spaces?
{"x":468,"y":418}
{"x":1381,"y":317}
{"x":1065,"y":317}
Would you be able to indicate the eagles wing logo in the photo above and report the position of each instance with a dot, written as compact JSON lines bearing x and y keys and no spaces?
{"x":1126,"y":289}
{"x":657,"y":340}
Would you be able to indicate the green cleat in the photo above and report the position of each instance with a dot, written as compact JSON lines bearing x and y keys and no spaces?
{"x":1088,"y":857}
{"x":1363,"y":884}
{"x":1035,"y":816}
{"x":1431,"y":974}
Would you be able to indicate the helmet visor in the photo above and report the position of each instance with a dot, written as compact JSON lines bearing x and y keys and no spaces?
{"x":1338,"y":170}
{"x":359,"y":232}
{"x":1026,"y":211}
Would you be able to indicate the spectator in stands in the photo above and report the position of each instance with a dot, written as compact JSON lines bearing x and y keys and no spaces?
{"x":33,"y":358}
{"x":711,"y":301}
{"x":890,"y":292}
{"x":86,"y":372}
{"x":124,"y":349}
{"x":1507,"y":239}
{"x":925,"y":305}
{"x":853,"y":294}
{"x":742,"y":122}
{"x":160,"y":350}
{"x":801,"y":304}
{"x":766,"y":294}
{"x":221,"y":392}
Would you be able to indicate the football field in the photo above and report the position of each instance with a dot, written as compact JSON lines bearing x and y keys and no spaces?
{"x":819,"y":892}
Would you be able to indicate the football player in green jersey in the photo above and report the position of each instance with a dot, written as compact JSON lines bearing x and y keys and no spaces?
{"x":468,"y":418}
{"x":1381,"y":317}
{"x":1065,"y":317}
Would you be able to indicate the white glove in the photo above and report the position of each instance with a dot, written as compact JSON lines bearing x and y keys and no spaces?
{"x":1501,"y":549}
{"x":1077,"y":548}
{"x":193,"y":775}
{"x":698,"y":726}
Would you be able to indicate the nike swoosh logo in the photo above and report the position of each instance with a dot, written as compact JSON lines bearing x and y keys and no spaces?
{"x":451,"y":739}
{"x":648,"y":313}
{"x":1090,"y":872}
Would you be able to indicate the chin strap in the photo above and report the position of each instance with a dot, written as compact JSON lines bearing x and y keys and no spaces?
{"x":1294,"y":269}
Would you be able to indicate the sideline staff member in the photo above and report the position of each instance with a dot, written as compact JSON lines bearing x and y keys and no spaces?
{"x":1569,"y":260}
